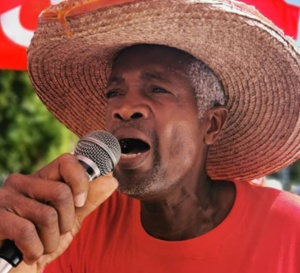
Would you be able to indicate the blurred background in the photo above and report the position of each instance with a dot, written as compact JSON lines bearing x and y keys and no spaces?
{"x":30,"y":137}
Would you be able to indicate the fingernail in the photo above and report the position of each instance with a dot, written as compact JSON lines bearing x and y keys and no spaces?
{"x":79,"y":199}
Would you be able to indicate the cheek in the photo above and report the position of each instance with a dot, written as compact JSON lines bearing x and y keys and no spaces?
{"x":181,"y":143}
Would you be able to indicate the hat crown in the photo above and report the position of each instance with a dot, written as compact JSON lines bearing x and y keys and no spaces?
{"x":72,"y":8}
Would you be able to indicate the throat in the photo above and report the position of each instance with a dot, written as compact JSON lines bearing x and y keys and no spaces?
{"x":177,"y":228}
{"x":190,"y":217}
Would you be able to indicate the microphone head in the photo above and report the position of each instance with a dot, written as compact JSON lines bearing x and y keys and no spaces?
{"x":98,"y":149}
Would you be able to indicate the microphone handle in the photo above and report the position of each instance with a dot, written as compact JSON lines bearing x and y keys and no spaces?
{"x":10,"y":256}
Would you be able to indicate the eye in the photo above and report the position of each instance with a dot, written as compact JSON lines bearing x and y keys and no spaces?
{"x":159,"y":90}
{"x":112,"y":94}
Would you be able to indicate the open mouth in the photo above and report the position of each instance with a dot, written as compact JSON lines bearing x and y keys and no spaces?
{"x":133,"y":146}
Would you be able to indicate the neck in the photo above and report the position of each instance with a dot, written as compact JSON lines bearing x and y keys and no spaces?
{"x":188,"y":213}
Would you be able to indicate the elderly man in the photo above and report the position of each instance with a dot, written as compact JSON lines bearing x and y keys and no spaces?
{"x":203,"y":96}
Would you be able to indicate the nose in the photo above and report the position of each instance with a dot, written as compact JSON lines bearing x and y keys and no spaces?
{"x":131,"y":109}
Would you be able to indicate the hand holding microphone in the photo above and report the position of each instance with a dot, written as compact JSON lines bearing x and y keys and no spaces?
{"x":41,"y":214}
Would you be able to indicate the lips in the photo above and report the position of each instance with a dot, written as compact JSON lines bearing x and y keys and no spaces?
{"x":134,"y":148}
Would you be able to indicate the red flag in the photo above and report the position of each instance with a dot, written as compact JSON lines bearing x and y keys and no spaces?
{"x":18,"y":20}
{"x":8,"y":5}
{"x":282,"y":14}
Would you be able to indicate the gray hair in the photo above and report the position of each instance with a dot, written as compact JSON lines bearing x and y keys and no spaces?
{"x":209,"y":91}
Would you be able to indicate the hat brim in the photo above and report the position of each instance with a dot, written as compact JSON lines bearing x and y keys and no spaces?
{"x":258,"y":66}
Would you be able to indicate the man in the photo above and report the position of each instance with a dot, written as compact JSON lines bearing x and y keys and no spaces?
{"x":202,"y":96}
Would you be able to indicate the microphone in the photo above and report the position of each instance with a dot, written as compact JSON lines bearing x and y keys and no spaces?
{"x":98,"y":152}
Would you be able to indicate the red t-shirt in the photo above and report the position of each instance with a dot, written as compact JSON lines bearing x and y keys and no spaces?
{"x":261,"y":234}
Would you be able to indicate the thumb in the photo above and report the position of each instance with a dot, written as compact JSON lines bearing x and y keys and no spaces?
{"x":99,"y":190}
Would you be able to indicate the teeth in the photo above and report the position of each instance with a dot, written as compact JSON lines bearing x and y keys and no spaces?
{"x":129,"y":156}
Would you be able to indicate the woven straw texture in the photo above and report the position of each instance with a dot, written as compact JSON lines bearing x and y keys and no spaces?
{"x":69,"y":61}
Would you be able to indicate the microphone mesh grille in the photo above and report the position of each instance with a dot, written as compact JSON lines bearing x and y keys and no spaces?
{"x":102,"y":148}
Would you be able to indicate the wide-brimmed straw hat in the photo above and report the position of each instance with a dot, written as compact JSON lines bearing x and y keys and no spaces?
{"x":72,"y":50}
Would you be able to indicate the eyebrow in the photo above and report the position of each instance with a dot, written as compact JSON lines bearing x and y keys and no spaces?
{"x":153,"y":76}
{"x":114,"y":79}
{"x":145,"y":76}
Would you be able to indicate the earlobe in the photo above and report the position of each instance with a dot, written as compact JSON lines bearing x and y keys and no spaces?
{"x":214,"y":121}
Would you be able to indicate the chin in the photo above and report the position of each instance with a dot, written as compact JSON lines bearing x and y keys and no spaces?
{"x":146,"y":193}
{"x":142,"y":185}
{"x":142,"y":192}
{"x":136,"y":192}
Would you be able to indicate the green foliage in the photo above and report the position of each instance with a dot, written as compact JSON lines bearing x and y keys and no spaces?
{"x":30,"y":136}
{"x":295,"y":172}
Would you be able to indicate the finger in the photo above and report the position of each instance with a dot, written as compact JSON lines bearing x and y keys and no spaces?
{"x":68,"y":169}
{"x":52,"y":193}
{"x":43,"y":217}
{"x":99,"y":190}
{"x":23,"y":233}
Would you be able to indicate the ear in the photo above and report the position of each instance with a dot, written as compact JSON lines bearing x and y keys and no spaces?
{"x":214,"y":121}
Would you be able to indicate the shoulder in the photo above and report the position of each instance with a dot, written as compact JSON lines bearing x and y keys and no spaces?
{"x":280,"y":200}
{"x":288,"y":204}
{"x":273,"y":204}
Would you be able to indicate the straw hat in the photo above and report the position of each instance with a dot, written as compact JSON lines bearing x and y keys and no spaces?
{"x":71,"y":53}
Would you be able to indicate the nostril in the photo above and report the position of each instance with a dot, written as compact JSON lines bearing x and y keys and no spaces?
{"x":127,"y":115}
{"x":136,"y":115}
{"x":123,"y":117}
{"x":117,"y":116}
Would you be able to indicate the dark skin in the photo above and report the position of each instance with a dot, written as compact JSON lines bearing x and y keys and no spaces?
{"x":42,"y":214}
{"x":150,"y":98}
